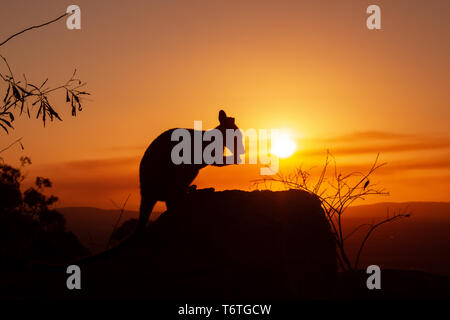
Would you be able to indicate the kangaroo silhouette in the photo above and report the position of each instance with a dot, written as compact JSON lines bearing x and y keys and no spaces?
{"x":163,"y":180}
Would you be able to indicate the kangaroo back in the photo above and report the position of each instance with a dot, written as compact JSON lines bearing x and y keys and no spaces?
{"x":163,"y":180}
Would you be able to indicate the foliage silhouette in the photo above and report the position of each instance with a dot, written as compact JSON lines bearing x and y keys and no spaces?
{"x":30,"y":230}
{"x":21,"y":93}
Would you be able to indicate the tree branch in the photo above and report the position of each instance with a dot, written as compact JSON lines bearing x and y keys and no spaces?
{"x":372,"y":228}
{"x":33,"y":27}
{"x":9,"y":146}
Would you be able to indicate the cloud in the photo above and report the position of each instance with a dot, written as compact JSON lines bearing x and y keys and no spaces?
{"x":93,"y":164}
{"x":92,"y":181}
{"x":381,"y":148}
{"x":373,"y":142}
{"x":95,"y":181}
{"x":365,"y":135}
{"x":133,"y":148}
{"x":401,"y":166}
{"x":431,"y":164}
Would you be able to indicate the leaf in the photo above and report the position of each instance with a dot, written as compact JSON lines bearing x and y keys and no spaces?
{"x":7,"y":93}
{"x":44,"y":83}
{"x":16,"y":93}
{"x":366,"y":184}
{"x":74,"y":111}
{"x":8,"y":100}
{"x":39,"y":111}
{"x":23,"y":90}
{"x":6,"y":122}
{"x":54,"y":113}
{"x":43,"y":114}
{"x":33,"y":86}
{"x":4,"y":128}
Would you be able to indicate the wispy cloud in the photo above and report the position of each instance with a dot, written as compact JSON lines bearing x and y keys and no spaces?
{"x":106,"y":163}
{"x":95,"y":181}
{"x":400,"y":166}
{"x":132,"y":148}
{"x":365,"y":135}
{"x":382,"y":148}
{"x":372,"y":142}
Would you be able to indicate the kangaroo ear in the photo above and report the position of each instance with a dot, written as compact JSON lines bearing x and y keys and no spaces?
{"x":222,"y":116}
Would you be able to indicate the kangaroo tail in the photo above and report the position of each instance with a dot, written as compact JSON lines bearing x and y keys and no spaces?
{"x":145,"y":210}
{"x":124,"y":245}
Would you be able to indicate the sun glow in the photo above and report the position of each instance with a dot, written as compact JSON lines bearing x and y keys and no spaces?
{"x":283,"y":145}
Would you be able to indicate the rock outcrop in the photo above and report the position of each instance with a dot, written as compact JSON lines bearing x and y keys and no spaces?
{"x":229,"y":244}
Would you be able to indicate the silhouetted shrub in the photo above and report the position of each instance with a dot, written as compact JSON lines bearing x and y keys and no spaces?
{"x":29,"y":229}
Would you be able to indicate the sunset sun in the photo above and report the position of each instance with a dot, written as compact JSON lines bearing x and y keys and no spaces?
{"x":283,"y":145}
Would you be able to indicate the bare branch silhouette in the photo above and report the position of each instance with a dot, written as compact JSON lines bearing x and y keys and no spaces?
{"x":336,"y":192}
{"x":122,"y":210}
{"x":18,"y":141}
{"x":373,"y":227}
{"x":32,"y":27}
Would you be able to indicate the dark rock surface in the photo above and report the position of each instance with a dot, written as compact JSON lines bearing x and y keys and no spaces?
{"x":227,"y":245}
{"x":230,"y":244}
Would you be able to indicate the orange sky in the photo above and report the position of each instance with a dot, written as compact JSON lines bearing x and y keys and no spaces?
{"x":309,"y":66}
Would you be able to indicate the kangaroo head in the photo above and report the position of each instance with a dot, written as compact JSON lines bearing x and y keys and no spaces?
{"x":227,"y":123}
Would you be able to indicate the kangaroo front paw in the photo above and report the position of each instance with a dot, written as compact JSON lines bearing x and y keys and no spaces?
{"x":191,"y":188}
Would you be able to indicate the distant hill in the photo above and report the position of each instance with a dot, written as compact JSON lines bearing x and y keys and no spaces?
{"x":422,"y":210}
{"x":421,"y":242}
{"x":93,"y":226}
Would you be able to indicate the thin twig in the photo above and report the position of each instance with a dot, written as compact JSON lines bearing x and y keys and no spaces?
{"x":342,"y":193}
{"x":356,"y":230}
{"x":33,"y":27}
{"x":9,"y":146}
{"x":372,"y":228}
{"x":122,"y":210}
